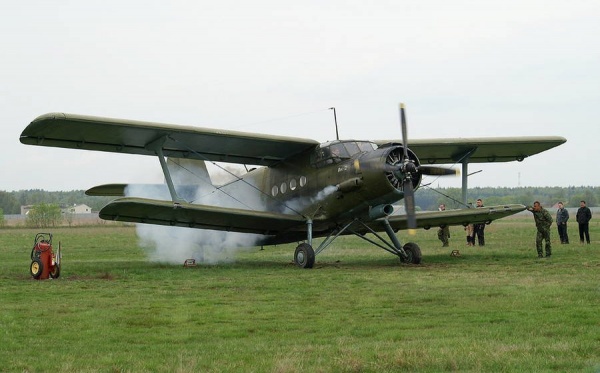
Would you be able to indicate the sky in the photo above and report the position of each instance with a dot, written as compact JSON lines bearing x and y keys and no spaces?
{"x":463,"y":69}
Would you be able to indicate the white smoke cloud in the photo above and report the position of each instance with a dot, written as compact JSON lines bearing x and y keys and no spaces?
{"x":176,"y":244}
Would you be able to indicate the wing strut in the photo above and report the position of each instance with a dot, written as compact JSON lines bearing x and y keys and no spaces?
{"x":465,"y":174}
{"x":156,"y":146}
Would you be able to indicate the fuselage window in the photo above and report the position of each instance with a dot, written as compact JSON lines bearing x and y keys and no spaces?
{"x":293,"y":184}
{"x":283,"y":187}
{"x":302,"y":181}
{"x":274,"y":190}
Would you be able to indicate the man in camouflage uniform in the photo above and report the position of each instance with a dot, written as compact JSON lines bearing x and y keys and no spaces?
{"x":543,"y":221}
{"x":444,"y":231}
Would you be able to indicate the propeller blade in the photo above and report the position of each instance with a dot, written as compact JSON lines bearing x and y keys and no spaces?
{"x":408,"y":169}
{"x":437,"y":171}
{"x":404,"y":131}
{"x":409,"y":203}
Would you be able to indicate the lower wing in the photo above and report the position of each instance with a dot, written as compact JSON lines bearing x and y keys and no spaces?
{"x":150,"y":211}
{"x":451,"y":217}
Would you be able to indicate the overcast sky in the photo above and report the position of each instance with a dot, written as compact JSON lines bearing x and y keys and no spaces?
{"x":463,"y":68}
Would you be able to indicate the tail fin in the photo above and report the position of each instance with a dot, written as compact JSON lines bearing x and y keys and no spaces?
{"x":188,"y":171}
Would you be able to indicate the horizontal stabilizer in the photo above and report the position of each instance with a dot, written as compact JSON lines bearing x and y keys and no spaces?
{"x":108,"y":190}
{"x":150,"y":191}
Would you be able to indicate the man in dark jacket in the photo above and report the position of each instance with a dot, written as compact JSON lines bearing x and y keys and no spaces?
{"x":543,"y":221}
{"x":479,"y":229}
{"x":584,"y":215}
{"x":562,"y":216}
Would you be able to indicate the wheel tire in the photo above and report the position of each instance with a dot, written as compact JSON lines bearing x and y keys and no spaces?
{"x":36,"y":268}
{"x":304,"y":257}
{"x":55,"y":272}
{"x":414,"y":253}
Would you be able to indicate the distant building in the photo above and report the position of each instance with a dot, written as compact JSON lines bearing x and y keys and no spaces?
{"x":25,"y":209}
{"x":75,"y":209}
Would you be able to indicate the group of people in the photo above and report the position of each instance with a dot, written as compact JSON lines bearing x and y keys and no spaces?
{"x":472,"y":230}
{"x":543,"y":221}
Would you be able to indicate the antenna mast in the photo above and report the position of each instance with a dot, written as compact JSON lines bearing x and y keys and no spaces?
{"x":337,"y":136}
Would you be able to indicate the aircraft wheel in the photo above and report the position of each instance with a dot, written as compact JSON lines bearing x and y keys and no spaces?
{"x":414,"y":253}
{"x":36,"y":268}
{"x":55,"y":272}
{"x":304,"y":257}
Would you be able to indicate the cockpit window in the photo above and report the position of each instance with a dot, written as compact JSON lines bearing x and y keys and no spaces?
{"x":352,"y":148}
{"x":339,"y":151}
{"x":336,"y":152}
{"x":366,"y":146}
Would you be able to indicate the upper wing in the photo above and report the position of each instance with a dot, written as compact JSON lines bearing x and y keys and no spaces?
{"x":136,"y":137}
{"x":479,"y":150}
{"x":452,"y":217}
{"x":150,"y":211}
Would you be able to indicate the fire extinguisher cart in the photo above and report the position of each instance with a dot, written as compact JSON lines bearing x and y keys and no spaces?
{"x":44,"y":262}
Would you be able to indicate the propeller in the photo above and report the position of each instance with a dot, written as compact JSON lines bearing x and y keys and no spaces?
{"x":404,"y":172}
{"x":408,"y":168}
{"x":409,"y":171}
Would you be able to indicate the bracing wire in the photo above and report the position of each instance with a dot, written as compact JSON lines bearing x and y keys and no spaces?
{"x":238,"y":178}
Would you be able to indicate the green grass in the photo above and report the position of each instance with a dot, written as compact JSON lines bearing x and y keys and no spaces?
{"x":497,"y":308}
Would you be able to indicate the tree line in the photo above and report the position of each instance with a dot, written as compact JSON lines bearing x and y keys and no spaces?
{"x":426,"y":198}
{"x":430,"y":199}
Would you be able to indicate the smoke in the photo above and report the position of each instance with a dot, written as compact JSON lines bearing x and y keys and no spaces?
{"x":299,"y":204}
{"x":176,"y":244}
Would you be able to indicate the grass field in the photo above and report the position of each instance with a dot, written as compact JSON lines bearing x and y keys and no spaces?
{"x":493,"y":309}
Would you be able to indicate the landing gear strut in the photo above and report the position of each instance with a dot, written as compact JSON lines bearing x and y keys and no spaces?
{"x":410,"y":253}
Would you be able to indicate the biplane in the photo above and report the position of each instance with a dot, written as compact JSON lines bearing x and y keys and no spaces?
{"x":297,"y":189}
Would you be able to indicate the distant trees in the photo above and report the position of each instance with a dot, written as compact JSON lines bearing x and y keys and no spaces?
{"x":426,"y":198}
{"x":44,"y":215}
{"x":430,"y":199}
{"x":1,"y":217}
{"x":9,"y":204}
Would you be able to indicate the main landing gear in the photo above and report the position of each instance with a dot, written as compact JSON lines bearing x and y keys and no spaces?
{"x":304,"y":256}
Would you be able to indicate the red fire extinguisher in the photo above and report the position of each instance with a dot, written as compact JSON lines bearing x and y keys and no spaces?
{"x":44,"y":262}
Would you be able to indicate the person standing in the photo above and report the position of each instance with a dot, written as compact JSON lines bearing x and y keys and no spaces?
{"x":479,"y":228}
{"x":562,"y":216}
{"x":469,"y":230}
{"x":583,"y":217}
{"x":543,"y":221}
{"x":444,"y":231}
{"x":470,"y":239}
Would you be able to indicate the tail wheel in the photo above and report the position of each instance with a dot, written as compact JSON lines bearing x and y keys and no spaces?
{"x":304,"y":257}
{"x":414,"y":253}
{"x":36,"y":268}
{"x":55,"y":272}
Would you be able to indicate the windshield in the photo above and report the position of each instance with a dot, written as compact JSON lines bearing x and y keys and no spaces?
{"x":336,"y":152}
